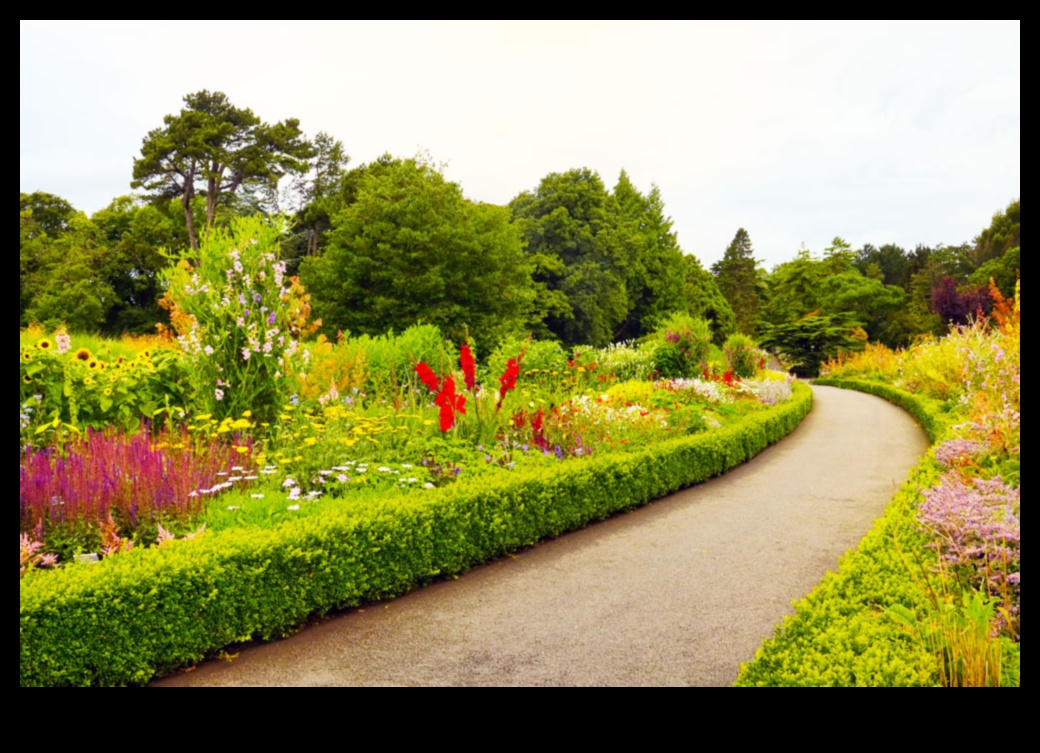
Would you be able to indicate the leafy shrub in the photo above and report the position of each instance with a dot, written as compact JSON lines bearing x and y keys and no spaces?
{"x":682,"y":346}
{"x":744,"y":358}
{"x":391,"y":358}
{"x":539,"y":355}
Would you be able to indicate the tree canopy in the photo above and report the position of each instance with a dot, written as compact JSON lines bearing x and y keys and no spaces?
{"x":737,"y":277}
{"x":411,"y":248}
{"x":216,"y":148}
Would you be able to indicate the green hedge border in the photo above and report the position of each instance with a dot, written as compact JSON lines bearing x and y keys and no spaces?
{"x":839,"y":635}
{"x":141,"y":614}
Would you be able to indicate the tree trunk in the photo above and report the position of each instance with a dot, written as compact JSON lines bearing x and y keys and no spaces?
{"x":189,"y":219}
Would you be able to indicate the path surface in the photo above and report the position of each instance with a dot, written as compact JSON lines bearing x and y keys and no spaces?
{"x":676,"y":593}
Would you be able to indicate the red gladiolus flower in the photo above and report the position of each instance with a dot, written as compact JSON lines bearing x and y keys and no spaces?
{"x":508,"y":379}
{"x":427,"y":376}
{"x":469,"y":367}
{"x":449,"y":403}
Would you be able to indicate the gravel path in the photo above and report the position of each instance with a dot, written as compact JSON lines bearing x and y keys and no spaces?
{"x":676,"y":593}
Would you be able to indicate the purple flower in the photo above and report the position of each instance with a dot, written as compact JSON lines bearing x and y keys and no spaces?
{"x":242,"y":300}
{"x":256,"y":298}
{"x":271,"y":319}
{"x":558,"y":451}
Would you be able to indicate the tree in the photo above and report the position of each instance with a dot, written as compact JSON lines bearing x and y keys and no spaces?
{"x":580,"y":259}
{"x":705,"y":301}
{"x":1003,"y":233}
{"x":319,"y":196}
{"x":65,"y":282}
{"x":411,"y":248}
{"x":737,"y":277}
{"x":655,"y":279}
{"x":135,"y":236}
{"x":216,"y":148}
{"x":810,"y":341}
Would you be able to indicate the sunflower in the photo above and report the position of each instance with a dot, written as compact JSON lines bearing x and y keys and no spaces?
{"x":108,"y":392}
{"x":88,"y":381}
{"x":27,"y":379}
{"x":83,"y":355}
{"x":93,"y":363}
{"x":44,"y":344}
{"x":26,"y":355}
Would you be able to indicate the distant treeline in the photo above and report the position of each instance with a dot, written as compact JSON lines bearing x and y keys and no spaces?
{"x":387,"y":244}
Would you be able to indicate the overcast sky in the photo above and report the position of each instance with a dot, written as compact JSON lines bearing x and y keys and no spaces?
{"x":877,"y":132}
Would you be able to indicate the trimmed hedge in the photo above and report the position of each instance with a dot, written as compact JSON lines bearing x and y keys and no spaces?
{"x":839,"y":634}
{"x":132,"y":617}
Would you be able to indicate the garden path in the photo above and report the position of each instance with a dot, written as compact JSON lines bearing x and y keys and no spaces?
{"x":679,"y":592}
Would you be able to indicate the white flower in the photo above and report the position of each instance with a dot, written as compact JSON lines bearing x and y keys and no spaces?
{"x":257,"y":496}
{"x":233,"y":507}
{"x":427,"y":485}
{"x":383,"y":469}
{"x":293,"y":507}
{"x":294,"y":493}
{"x":288,"y":482}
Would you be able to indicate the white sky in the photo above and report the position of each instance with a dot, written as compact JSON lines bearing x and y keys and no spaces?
{"x":878,"y":132}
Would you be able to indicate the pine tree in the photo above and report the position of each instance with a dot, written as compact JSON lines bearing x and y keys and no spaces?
{"x":737,"y":277}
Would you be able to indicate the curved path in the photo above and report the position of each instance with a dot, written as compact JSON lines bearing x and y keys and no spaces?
{"x":676,"y":593}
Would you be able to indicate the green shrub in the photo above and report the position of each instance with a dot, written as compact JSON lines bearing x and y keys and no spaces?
{"x":683,"y":344}
{"x":743,"y":356}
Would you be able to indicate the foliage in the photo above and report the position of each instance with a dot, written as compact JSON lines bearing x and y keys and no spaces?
{"x":62,"y":277}
{"x":216,"y":148}
{"x":956,"y":304}
{"x":579,"y":263}
{"x":1003,"y":271}
{"x":70,"y":381}
{"x":806,"y":344}
{"x":409,"y":249}
{"x":745,"y":359}
{"x":737,"y":277}
{"x":1003,"y":234}
{"x":654,"y":279}
{"x":390,"y":357}
{"x":706,"y":301}
{"x":317,"y":193}
{"x":239,"y":319}
{"x":682,"y":346}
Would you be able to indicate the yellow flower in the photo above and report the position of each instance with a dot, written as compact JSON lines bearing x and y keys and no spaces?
{"x":93,"y":363}
{"x":44,"y":344}
{"x":83,"y":354}
{"x":310,"y":441}
{"x":27,"y":379}
{"x":247,"y":413}
{"x":108,"y":392}
{"x":88,"y":380}
{"x":241,"y":450}
{"x":26,"y":355}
